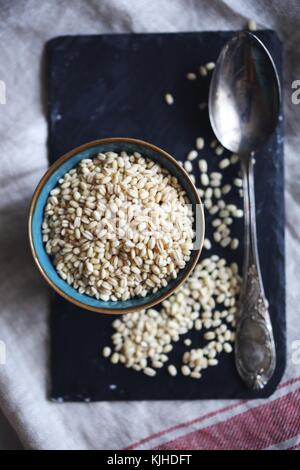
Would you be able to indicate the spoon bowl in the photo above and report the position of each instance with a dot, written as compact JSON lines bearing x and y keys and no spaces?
{"x":244,"y":96}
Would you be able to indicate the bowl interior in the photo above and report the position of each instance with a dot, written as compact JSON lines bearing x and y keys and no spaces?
{"x":44,"y":260}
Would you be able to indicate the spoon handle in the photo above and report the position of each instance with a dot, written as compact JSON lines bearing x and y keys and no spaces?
{"x":255,"y":354}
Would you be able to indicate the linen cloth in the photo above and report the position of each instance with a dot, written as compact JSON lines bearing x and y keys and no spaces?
{"x":24,"y":297}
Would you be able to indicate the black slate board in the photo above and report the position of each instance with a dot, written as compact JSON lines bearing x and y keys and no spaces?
{"x":113,"y":85}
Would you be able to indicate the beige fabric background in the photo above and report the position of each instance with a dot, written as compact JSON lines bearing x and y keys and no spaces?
{"x":24,"y":28}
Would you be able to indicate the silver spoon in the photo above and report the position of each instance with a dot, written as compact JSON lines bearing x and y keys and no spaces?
{"x":244,"y":103}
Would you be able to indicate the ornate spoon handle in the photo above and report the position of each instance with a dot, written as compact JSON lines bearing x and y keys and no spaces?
{"x":255,"y":354}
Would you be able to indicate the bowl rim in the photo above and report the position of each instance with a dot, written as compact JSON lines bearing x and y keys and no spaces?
{"x":54,"y":166}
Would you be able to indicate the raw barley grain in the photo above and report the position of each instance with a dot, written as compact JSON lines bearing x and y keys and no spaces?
{"x":169,"y":99}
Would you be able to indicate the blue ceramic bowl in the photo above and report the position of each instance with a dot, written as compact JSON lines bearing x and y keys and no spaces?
{"x":36,"y":215}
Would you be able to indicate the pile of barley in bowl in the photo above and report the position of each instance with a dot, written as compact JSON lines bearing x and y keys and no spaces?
{"x":118,"y":226}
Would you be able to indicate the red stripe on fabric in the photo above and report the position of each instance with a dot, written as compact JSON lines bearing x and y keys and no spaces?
{"x":200,"y":418}
{"x":185,"y":424}
{"x":288,"y":382}
{"x":256,"y":428}
{"x":295,"y":447}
